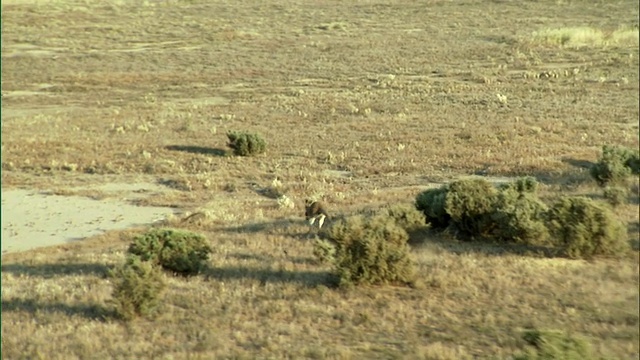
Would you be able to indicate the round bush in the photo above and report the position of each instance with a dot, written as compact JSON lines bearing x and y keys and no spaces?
{"x":582,"y":228}
{"x":246,"y":144}
{"x":176,"y":250}
{"x":371,"y":250}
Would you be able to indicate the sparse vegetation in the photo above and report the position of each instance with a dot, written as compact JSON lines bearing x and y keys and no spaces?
{"x":137,"y":288}
{"x":366,"y":113}
{"x":246,"y":143}
{"x":583,"y":228}
{"x":369,"y":250}
{"x":176,"y":250}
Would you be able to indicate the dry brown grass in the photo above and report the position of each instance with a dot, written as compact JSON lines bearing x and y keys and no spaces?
{"x":361,"y":105}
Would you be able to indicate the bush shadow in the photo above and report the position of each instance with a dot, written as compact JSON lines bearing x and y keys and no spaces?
{"x":88,"y":311}
{"x":581,"y":164}
{"x":451,"y":242}
{"x":197,"y":150}
{"x":281,"y":226}
{"x":48,"y":271}
{"x":266,"y":276}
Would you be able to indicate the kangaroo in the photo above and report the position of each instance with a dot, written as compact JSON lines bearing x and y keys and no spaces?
{"x":315,"y":210}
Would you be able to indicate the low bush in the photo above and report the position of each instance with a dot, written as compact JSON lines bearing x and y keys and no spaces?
{"x":246,"y":144}
{"x":370,"y":250}
{"x":180,"y":251}
{"x":547,"y":345}
{"x":582,"y":228}
{"x":137,"y":288}
{"x":615,"y":165}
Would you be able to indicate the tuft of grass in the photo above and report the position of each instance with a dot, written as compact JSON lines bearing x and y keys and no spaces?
{"x":548,"y":344}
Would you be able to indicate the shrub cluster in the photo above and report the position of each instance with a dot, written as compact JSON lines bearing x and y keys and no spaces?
{"x":368,"y":250}
{"x":578,"y":227}
{"x":137,"y":288}
{"x":477,"y":210}
{"x":246,"y":144}
{"x":180,"y":251}
{"x":138,"y":283}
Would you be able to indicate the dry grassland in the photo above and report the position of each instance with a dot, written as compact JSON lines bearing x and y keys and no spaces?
{"x":362,"y":103}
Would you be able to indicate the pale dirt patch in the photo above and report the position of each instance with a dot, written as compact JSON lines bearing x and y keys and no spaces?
{"x":32,"y":219}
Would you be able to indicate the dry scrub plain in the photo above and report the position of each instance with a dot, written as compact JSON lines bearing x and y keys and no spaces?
{"x":362,"y":103}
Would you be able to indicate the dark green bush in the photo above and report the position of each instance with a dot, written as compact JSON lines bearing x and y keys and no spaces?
{"x":616,"y":195}
{"x":549,"y":345}
{"x":432,"y":204}
{"x":470,"y":203}
{"x":138,"y":288}
{"x":519,"y":214}
{"x":371,"y":250}
{"x":582,"y":228}
{"x":176,"y":250}
{"x":246,"y":144}
{"x":615,"y":165}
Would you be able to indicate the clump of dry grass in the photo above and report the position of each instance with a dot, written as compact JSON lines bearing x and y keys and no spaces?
{"x":577,"y":37}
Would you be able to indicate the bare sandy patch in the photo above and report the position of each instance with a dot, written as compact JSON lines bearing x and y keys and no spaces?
{"x":32,"y":219}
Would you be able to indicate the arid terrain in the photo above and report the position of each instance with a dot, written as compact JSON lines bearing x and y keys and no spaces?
{"x":362,"y":104}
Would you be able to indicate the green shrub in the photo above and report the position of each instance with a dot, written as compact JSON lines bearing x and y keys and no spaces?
{"x":371,"y":250}
{"x":432,"y":204}
{"x":406,"y":216}
{"x":519,"y":214}
{"x":176,"y":250}
{"x":581,"y":228}
{"x":246,"y":144}
{"x":615,"y":165}
{"x":616,"y":195}
{"x":549,"y":345}
{"x":138,"y":287}
{"x":470,"y":203}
